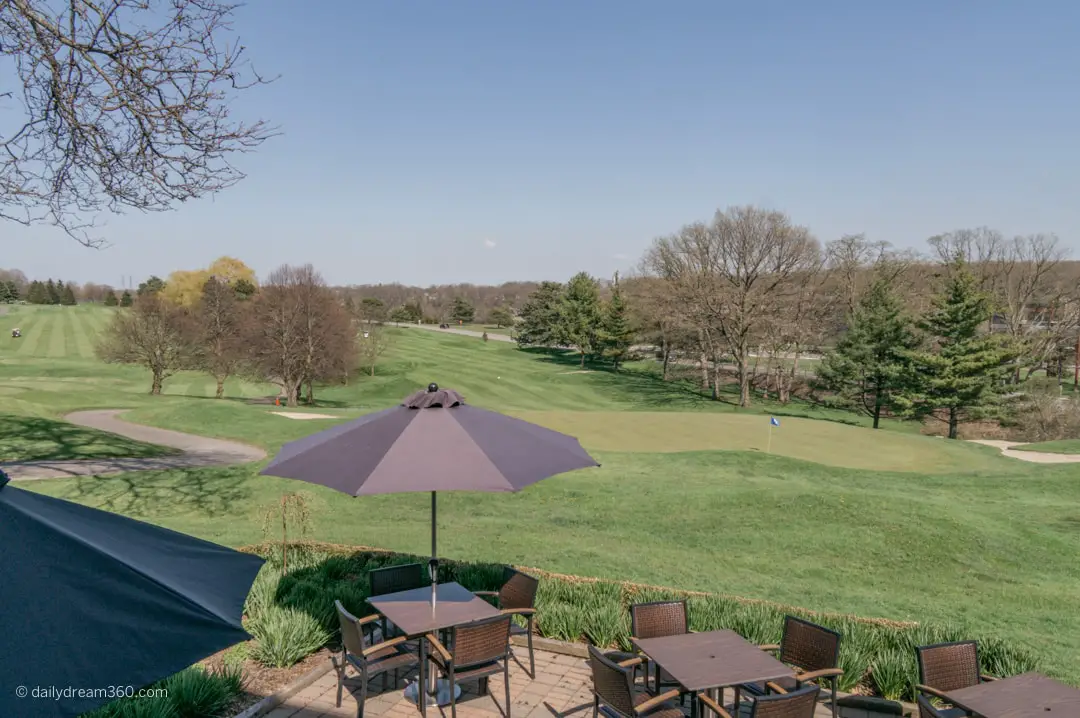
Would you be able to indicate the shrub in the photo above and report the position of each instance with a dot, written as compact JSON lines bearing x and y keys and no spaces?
{"x":874,"y":655}
{"x":285,"y":636}
{"x":191,"y":693}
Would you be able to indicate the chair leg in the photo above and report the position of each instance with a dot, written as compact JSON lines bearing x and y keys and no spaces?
{"x":506,"y":684}
{"x":483,"y":689}
{"x":532,"y":658}
{"x":833,"y":698}
{"x":363,"y":694}
{"x":453,"y":696}
{"x":596,"y":707}
{"x":340,"y":678}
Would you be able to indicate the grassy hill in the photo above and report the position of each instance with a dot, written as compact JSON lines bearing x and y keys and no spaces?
{"x":838,"y":517}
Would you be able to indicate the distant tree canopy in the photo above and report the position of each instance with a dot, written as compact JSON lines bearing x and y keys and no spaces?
{"x":152,"y":285}
{"x":184,"y":287}
{"x":501,"y":317}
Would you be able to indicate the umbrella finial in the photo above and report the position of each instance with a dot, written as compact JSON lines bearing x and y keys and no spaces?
{"x":432,"y":388}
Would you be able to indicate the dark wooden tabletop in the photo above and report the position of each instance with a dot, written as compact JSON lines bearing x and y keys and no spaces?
{"x":1024,"y":696}
{"x":715,"y":659}
{"x":411,"y":611}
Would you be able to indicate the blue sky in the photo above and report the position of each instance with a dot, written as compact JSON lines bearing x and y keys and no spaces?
{"x":468,"y":141}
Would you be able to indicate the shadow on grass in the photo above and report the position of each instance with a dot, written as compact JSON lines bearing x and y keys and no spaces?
{"x":269,"y":400}
{"x":206,"y":493}
{"x":32,"y":438}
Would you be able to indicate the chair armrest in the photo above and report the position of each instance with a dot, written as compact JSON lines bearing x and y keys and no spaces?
{"x":931,"y":692}
{"x":655,"y":701}
{"x":631,"y":662}
{"x":485,"y":593}
{"x":519,"y":611}
{"x":770,"y":647}
{"x":775,"y":687}
{"x":989,"y":679}
{"x":439,"y":647}
{"x":368,"y":619}
{"x":713,"y":706}
{"x":384,"y":645}
{"x":823,"y":673}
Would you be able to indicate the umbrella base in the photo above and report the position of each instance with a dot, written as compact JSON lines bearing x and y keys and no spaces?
{"x":440,"y":697}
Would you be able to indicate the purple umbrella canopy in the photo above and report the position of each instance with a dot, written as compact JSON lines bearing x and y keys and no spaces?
{"x":433,"y":441}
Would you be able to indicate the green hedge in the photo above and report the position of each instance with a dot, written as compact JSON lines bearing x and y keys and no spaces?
{"x":191,"y":693}
{"x":876,"y":657}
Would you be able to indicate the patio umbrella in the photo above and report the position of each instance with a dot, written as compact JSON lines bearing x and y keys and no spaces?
{"x":94,"y":601}
{"x":432,"y":442}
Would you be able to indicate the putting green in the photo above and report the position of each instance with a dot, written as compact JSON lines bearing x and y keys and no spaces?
{"x":823,"y":442}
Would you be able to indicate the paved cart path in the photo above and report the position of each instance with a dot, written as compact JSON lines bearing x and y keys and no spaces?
{"x":196,"y":451}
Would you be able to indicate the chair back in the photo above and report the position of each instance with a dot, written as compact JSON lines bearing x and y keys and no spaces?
{"x":659,"y":618}
{"x":612,"y":684}
{"x":809,"y":646}
{"x":480,"y":642}
{"x":518,"y":589}
{"x":949,"y":666}
{"x":352,"y":637}
{"x":396,"y":578}
{"x":797,"y":704}
{"x":927,"y":709}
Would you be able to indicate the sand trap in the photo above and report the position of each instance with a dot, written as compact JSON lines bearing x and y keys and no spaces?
{"x":302,"y":417}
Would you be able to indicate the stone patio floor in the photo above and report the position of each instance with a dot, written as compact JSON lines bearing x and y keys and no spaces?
{"x":562,"y":687}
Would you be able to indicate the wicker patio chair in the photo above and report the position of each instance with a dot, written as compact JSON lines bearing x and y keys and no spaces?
{"x":517,"y":597}
{"x":375,"y":660}
{"x":945,"y":667}
{"x":615,"y":695}
{"x":813,"y":650}
{"x":777,"y":704}
{"x":476,"y":650}
{"x":657,"y":619}
{"x":393,"y":579}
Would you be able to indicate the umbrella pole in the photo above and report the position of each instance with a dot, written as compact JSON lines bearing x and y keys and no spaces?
{"x":433,"y":565}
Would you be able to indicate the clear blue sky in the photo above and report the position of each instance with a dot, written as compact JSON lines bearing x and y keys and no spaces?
{"x":570,"y":133}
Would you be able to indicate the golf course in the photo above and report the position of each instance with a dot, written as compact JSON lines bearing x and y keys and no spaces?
{"x":822,"y":513}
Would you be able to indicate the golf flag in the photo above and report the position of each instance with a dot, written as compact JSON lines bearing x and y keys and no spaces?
{"x":774,"y":421}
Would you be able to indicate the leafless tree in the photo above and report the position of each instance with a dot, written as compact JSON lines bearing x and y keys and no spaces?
{"x":154,"y":334}
{"x":982,"y":248}
{"x":219,"y":332}
{"x":125,"y":103}
{"x":734,"y":274}
{"x":300,"y":332}
{"x":374,"y":341}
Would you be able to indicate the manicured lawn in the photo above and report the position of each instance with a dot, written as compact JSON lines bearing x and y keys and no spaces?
{"x":1063,"y":446}
{"x":686,"y":497}
{"x":489,"y":328}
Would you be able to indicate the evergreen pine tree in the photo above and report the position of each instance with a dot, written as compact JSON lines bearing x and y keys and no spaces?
{"x":125,"y":299}
{"x":51,"y":295}
{"x":541,"y":317}
{"x":5,"y":293}
{"x":958,"y":378}
{"x":869,"y":363}
{"x":462,"y":311}
{"x":110,"y":299}
{"x":616,"y":336}
{"x":581,"y":315}
{"x":37,"y":294}
{"x":67,"y":297}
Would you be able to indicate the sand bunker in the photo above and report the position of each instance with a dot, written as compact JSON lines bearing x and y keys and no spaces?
{"x":302,"y":417}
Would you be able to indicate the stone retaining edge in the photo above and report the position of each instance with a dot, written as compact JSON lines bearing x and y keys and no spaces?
{"x":272,"y":701}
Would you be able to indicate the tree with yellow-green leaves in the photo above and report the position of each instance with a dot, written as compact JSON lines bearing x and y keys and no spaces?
{"x":185,"y":287}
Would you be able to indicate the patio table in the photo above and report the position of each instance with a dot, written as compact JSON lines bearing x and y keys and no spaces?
{"x":711,"y":660}
{"x":413,"y":613}
{"x":1024,"y":696}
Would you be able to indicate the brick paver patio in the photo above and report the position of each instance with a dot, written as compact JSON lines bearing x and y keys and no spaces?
{"x":562,"y":688}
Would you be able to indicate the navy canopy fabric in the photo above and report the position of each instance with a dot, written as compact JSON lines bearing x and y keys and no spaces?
{"x":92,"y":599}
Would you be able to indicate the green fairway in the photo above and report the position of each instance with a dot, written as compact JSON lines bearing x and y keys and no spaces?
{"x":1063,"y":446}
{"x":686,"y":495}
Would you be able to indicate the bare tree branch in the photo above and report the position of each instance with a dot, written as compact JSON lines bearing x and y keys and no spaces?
{"x":122,"y":104}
